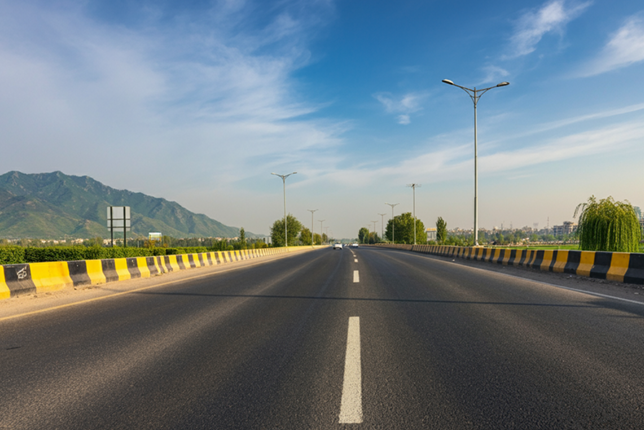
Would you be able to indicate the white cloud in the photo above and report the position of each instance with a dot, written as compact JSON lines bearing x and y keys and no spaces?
{"x":453,"y":162}
{"x":625,"y":47}
{"x":195,"y":92}
{"x":403,"y":119}
{"x":493,"y":74}
{"x":403,"y":106}
{"x":533,"y":25}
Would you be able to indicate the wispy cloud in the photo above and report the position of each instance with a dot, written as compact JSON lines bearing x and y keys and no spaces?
{"x":493,"y":74}
{"x":533,"y":25}
{"x":454,"y":162}
{"x":403,"y":106}
{"x":625,"y":47}
{"x":206,"y":83}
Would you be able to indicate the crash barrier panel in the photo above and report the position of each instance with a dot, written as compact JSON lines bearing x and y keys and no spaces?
{"x":614,"y":266}
{"x":28,"y":278}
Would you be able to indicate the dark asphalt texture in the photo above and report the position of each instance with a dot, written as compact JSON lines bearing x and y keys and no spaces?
{"x":443,"y":346}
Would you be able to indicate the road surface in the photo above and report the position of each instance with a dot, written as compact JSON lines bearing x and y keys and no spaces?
{"x":364,"y":338}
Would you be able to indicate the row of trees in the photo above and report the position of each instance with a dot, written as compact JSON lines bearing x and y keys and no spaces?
{"x":297,"y":233}
{"x":604,"y":225}
{"x":399,"y":229}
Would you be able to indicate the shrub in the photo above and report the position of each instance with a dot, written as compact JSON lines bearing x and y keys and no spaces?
{"x":12,"y":254}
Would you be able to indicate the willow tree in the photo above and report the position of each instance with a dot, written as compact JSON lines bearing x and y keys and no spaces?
{"x":607,"y":225}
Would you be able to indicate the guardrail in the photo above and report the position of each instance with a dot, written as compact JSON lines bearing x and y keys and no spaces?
{"x":20,"y":279}
{"x":614,"y":266}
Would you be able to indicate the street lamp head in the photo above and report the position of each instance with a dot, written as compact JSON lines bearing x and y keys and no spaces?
{"x":296,"y":172}
{"x":503,"y":84}
{"x":447,"y":81}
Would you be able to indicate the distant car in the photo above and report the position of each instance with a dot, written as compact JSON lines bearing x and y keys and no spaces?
{"x":337,"y":246}
{"x":355,"y":245}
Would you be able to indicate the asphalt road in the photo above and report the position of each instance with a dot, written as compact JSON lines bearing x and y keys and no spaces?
{"x":370,"y":338}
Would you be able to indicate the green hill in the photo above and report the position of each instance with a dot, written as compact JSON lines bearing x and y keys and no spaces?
{"x":55,"y":205}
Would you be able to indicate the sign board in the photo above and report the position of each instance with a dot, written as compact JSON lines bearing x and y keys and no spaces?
{"x":155,"y":236}
{"x":118,"y":219}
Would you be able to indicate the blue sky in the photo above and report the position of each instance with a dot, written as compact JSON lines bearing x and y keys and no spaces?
{"x":198,"y":102}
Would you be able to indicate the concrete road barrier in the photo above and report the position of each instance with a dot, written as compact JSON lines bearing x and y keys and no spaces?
{"x":21,"y":279}
{"x":614,"y":266}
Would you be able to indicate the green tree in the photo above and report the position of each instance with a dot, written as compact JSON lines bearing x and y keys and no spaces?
{"x":325,"y":238}
{"x":242,"y":238}
{"x":403,"y":229}
{"x":363,"y":235}
{"x":305,"y":236}
{"x":293,"y":227}
{"x":317,"y":239}
{"x":607,"y":225}
{"x":441,"y":230}
{"x":373,"y":238}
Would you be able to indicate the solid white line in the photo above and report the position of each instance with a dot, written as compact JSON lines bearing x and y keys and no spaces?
{"x":589,"y":293}
{"x":351,"y":407}
{"x":356,"y":276}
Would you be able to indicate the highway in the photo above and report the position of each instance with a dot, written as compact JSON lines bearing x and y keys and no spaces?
{"x":361,"y":338}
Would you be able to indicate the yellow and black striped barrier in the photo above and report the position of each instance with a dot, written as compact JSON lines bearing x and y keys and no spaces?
{"x":614,"y":266}
{"x":20,"y":279}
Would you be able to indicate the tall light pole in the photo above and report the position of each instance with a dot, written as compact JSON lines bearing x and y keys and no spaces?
{"x":312,"y":210}
{"x":321,"y":232}
{"x":393,"y":222}
{"x":284,"y":183}
{"x":374,"y":226}
{"x":475,"y":95}
{"x":382,"y":226}
{"x":413,"y":187}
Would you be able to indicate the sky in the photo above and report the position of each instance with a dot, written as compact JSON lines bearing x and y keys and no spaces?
{"x":200,"y":101}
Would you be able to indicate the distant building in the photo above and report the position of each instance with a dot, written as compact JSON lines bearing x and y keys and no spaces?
{"x":567,"y":228}
{"x":431,"y":234}
{"x":638,"y":212}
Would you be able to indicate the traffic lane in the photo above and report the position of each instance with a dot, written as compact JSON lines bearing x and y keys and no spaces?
{"x":69,"y":296}
{"x":105,"y":360}
{"x":565,"y":360}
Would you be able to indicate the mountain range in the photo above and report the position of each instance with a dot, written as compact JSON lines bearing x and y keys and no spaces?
{"x":55,"y":205}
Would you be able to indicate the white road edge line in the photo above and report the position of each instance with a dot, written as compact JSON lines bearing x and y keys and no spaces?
{"x":548,"y":284}
{"x":356,"y":276}
{"x":351,"y":406}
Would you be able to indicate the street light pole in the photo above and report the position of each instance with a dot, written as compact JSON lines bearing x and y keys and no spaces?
{"x":284,"y":185}
{"x":393,"y":221}
{"x":382,"y":226}
{"x":475,"y":95}
{"x":374,"y":226}
{"x":413,"y":187}
{"x":312,"y":210}
{"x":321,"y":231}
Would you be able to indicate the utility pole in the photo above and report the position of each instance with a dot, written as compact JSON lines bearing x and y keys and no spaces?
{"x":393,"y":220}
{"x":413,"y":187}
{"x":312,"y":210}
{"x":382,"y":226}
{"x":321,"y":230}
{"x":284,"y":183}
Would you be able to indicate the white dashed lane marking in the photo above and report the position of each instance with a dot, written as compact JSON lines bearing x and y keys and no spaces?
{"x":356,"y":276}
{"x":351,"y":406}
